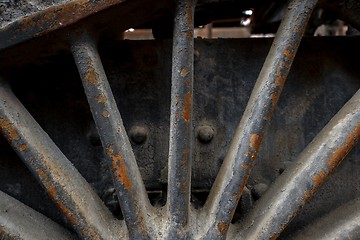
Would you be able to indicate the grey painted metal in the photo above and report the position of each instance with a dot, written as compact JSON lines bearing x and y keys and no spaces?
{"x":294,"y":188}
{"x":18,"y":221}
{"x":181,"y":131}
{"x":76,"y":200}
{"x":235,"y":170}
{"x":341,"y":223}
{"x":130,"y":188}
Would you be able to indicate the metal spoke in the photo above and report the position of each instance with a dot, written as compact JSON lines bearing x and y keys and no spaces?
{"x":346,"y":226}
{"x":299,"y":183}
{"x":131,"y":191}
{"x":18,"y":221}
{"x":179,"y":176}
{"x":248,"y":137}
{"x":74,"y":197}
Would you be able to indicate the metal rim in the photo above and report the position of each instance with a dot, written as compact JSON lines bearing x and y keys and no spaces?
{"x":87,"y":214}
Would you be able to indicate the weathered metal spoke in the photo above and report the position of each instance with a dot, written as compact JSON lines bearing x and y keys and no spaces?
{"x":132,"y":195}
{"x":248,"y":137}
{"x":342,"y":223}
{"x":18,"y":221}
{"x":179,"y":176}
{"x":74,"y":197}
{"x":299,"y":183}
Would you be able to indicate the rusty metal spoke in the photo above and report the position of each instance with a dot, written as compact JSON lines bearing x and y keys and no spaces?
{"x":50,"y":19}
{"x":179,"y":176}
{"x":342,"y":223}
{"x":18,"y":221}
{"x":248,"y":137}
{"x":74,"y":197}
{"x":131,"y":191}
{"x":299,"y":183}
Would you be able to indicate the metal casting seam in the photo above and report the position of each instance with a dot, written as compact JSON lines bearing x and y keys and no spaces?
{"x":63,"y":183}
{"x":131,"y":191}
{"x":180,"y":145}
{"x":294,"y":188}
{"x":235,"y":170}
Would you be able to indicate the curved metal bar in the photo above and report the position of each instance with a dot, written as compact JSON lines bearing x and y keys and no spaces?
{"x":18,"y":221}
{"x":342,"y":223}
{"x":50,"y":19}
{"x":131,"y":191}
{"x":179,"y":176}
{"x":248,"y":137}
{"x":74,"y":197}
{"x":299,"y":183}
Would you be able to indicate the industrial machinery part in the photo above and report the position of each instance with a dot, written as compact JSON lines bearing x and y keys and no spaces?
{"x":215,"y":153}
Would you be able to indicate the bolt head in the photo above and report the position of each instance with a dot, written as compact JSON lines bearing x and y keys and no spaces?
{"x":139,"y":134}
{"x":205,"y":134}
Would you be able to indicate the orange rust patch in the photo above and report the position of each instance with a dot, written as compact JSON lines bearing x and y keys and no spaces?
{"x":106,"y":114}
{"x":222,"y":227}
{"x":255,"y":141}
{"x":244,"y":166}
{"x":23,"y":147}
{"x":101,"y":99}
{"x":184,"y":72}
{"x":65,"y":211}
{"x":189,"y":15}
{"x":341,"y":153}
{"x":8,"y":129}
{"x":41,"y":173}
{"x":119,"y":169}
{"x":187,"y":113}
{"x":185,"y":155}
{"x":287,"y":53}
{"x":91,"y":75}
{"x":280,"y":78}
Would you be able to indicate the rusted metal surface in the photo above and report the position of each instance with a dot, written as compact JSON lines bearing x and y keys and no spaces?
{"x":18,"y":221}
{"x":177,"y":218}
{"x":74,"y":197}
{"x":180,"y":145}
{"x":130,"y":188}
{"x":50,"y":19}
{"x":299,"y":183}
{"x":341,"y":223}
{"x":235,"y":170}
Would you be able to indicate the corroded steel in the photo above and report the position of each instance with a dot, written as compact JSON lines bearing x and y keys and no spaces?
{"x":235,"y":171}
{"x":50,"y":19}
{"x":81,"y":206}
{"x":18,"y":221}
{"x":131,"y":191}
{"x":294,"y":188}
{"x":74,"y":197}
{"x":180,"y":146}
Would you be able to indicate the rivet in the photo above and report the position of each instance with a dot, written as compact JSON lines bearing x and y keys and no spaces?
{"x":139,"y":134}
{"x":205,"y":134}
